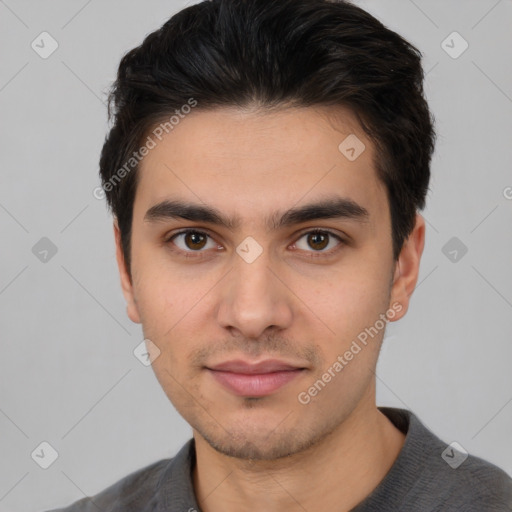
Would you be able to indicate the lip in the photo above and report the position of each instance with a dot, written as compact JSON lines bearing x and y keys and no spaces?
{"x":254,"y":379}
{"x":245,"y":367}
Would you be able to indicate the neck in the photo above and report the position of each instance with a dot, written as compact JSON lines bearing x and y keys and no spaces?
{"x":335,"y":474}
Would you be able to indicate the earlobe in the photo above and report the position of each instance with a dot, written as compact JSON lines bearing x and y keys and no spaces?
{"x":126,"y":281}
{"x":407,"y":267}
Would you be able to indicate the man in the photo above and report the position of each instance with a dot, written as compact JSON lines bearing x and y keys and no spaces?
{"x":265,"y":169}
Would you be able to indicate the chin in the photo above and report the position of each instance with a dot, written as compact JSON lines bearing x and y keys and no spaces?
{"x":253,"y":440}
{"x":250,"y":447}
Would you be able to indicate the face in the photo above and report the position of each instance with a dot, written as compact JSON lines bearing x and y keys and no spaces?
{"x":262,"y":273}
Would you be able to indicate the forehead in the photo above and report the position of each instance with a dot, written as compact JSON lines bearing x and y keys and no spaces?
{"x":248,"y":161}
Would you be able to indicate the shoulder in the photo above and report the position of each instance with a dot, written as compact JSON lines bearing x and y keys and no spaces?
{"x":438,"y":476}
{"x":475,"y":485}
{"x":127,"y":494}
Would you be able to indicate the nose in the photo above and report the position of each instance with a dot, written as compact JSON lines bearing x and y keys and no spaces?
{"x":254,"y":299}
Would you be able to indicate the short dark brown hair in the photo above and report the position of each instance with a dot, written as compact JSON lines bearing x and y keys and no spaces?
{"x":271,"y":54}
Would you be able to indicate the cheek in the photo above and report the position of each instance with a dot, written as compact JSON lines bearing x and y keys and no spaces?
{"x":162,"y":307}
{"x":158,"y":306}
{"x":347,"y":313}
{"x":158,"y":288}
{"x":170,"y":306}
{"x":347,"y":297}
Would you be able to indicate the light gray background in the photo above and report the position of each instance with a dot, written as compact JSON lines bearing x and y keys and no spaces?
{"x":67,"y":372}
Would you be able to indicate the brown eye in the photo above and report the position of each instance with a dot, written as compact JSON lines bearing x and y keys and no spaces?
{"x":318,"y":241}
{"x":192,"y":241}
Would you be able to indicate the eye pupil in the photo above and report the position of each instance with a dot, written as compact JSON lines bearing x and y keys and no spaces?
{"x":197,"y":240}
{"x":315,"y":239}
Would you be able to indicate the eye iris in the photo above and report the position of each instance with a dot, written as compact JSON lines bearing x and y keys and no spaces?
{"x":197,"y":240}
{"x":315,"y":239}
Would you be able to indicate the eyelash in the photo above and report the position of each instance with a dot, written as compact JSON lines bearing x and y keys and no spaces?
{"x":314,"y":254}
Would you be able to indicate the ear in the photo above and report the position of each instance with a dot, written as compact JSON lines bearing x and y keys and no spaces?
{"x":126,"y":282}
{"x":407,"y":269}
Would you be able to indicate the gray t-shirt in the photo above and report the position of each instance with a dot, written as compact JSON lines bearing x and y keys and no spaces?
{"x":428,"y":475}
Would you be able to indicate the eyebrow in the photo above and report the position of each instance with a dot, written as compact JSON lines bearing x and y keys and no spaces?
{"x":330,"y":208}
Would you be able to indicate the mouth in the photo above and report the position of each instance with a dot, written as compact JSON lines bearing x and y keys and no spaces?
{"x":254,"y":379}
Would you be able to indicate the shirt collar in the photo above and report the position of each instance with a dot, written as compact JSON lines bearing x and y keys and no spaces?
{"x":176,"y":490}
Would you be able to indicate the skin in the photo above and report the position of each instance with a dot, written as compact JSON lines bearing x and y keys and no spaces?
{"x":295,"y":302}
